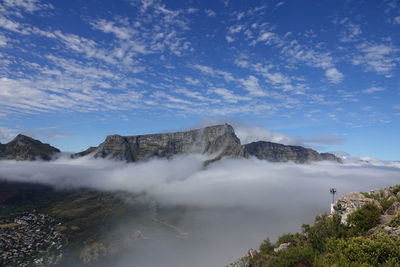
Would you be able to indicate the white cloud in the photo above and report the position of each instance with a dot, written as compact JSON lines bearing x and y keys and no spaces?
{"x":29,"y":6}
{"x":298,"y":52}
{"x":265,"y":36}
{"x":351,"y":32}
{"x":192,"y":81}
{"x":229,"y":39}
{"x":396,"y":20}
{"x":228,"y":96}
{"x":3,"y":40}
{"x":214,"y":72}
{"x":110,"y":27}
{"x":11,"y":25}
{"x":192,"y":94}
{"x":334,"y":75}
{"x":372,"y":90}
{"x":377,"y":57}
{"x":252,"y":86}
{"x":210,"y":13}
{"x":277,"y":78}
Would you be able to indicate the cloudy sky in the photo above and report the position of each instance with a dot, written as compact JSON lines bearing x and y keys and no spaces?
{"x":325,"y":71}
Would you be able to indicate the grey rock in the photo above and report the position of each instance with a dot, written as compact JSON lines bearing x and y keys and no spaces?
{"x":349,"y":203}
{"x":282,"y":246}
{"x":393,"y":209}
{"x":26,"y":148}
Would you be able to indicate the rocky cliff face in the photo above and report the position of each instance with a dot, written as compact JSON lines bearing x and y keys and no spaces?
{"x":209,"y":140}
{"x":281,"y":153}
{"x":219,"y":140}
{"x":26,"y":148}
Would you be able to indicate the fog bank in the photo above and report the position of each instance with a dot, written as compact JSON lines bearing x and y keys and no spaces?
{"x":241,"y":201}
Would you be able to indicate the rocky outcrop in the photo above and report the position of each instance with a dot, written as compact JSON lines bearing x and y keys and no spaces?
{"x":219,"y":140}
{"x":26,"y":148}
{"x":349,"y":203}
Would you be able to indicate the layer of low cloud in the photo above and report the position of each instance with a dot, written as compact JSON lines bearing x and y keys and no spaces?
{"x":239,"y":202}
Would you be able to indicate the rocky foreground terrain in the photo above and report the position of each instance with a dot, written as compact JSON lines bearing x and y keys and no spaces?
{"x":362,"y":229}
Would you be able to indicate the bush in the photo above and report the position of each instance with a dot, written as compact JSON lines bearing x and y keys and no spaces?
{"x":379,"y":250}
{"x":396,"y":189}
{"x":295,"y":240}
{"x":324,"y":227}
{"x":395,"y":221}
{"x":364,"y":218}
{"x":266,"y":247}
{"x":386,"y":203}
{"x":295,"y":256}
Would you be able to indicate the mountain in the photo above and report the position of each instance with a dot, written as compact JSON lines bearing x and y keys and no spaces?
{"x":219,"y":141}
{"x":26,"y":148}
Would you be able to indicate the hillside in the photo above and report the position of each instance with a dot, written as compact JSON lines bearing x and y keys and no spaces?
{"x":92,"y":226}
{"x":363,"y":229}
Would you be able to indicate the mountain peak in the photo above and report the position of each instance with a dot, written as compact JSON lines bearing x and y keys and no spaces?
{"x":23,"y":147}
{"x":23,"y":138}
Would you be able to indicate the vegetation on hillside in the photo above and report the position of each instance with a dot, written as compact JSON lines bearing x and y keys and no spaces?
{"x":363,"y":241}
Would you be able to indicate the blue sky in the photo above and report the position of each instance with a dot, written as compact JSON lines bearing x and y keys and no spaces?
{"x":73,"y":71}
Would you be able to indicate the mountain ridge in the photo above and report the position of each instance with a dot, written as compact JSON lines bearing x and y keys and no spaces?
{"x":217,"y":141}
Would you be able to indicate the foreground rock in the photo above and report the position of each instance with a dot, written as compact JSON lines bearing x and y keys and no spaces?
{"x":218,"y":141}
{"x":26,"y":148}
{"x":349,"y":203}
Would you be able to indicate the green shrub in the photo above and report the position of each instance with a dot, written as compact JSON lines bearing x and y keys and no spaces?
{"x":396,"y":189}
{"x":379,"y":250}
{"x":324,"y":227}
{"x":296,"y":240}
{"x":266,"y":247}
{"x":294,"y":256}
{"x":387,"y":203}
{"x":395,"y":221}
{"x":364,"y":218}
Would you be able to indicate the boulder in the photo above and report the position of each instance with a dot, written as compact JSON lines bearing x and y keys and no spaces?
{"x":350,"y":203}
{"x":393,"y":209}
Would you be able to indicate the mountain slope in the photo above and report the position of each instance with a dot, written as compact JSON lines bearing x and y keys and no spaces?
{"x":363,"y":229}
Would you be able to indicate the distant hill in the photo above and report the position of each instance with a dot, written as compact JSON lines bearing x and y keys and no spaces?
{"x":26,"y":148}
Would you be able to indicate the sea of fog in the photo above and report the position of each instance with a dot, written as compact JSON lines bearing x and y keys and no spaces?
{"x":239,"y":202}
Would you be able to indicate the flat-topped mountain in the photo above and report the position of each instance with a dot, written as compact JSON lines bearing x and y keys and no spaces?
{"x":208,"y":140}
{"x":219,"y":141}
{"x":26,"y":148}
